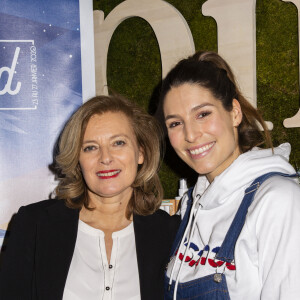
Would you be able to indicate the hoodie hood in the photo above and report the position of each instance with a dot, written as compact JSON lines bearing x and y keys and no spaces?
{"x":241,"y":173}
{"x":213,"y":209}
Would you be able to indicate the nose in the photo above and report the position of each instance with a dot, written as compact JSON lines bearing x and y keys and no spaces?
{"x":191,"y":133}
{"x":105,"y":156}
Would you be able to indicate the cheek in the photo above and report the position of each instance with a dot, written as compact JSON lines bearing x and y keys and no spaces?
{"x":174,"y":138}
{"x":128,"y":159}
{"x":218,"y":128}
{"x":214,"y":127}
{"x":85,"y":165}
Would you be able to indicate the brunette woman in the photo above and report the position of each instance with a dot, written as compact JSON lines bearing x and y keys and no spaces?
{"x":239,"y":237}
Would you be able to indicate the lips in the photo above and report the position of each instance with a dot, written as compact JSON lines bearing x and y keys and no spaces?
{"x":201,"y":151}
{"x":108,"y":174}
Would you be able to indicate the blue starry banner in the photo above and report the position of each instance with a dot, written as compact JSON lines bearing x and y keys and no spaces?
{"x":41,"y":83}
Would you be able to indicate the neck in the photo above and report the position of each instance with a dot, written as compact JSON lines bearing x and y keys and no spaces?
{"x":235,"y":154}
{"x":108,"y":214}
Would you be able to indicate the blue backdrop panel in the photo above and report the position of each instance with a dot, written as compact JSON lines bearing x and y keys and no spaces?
{"x":40,"y":86}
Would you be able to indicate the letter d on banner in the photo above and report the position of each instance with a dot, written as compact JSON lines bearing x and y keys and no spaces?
{"x":7,"y":88}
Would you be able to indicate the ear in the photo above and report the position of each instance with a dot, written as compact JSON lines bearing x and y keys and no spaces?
{"x":236,"y":113}
{"x":141,"y":156}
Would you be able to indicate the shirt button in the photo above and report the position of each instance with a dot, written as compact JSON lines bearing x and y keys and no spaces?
{"x":107,"y":288}
{"x":110,"y":266}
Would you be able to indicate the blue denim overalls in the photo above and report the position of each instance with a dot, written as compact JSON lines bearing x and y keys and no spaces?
{"x":214,"y":286}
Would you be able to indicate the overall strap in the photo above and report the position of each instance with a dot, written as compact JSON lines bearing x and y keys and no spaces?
{"x":226,"y":252}
{"x":183,"y":223}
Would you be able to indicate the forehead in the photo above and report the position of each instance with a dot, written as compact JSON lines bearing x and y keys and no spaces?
{"x":110,"y":123}
{"x":187,"y":96}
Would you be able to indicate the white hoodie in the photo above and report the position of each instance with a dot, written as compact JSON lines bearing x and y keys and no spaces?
{"x":267,"y":252}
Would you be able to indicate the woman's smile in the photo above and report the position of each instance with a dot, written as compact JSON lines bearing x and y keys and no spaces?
{"x":200,"y":151}
{"x":108,"y":174}
{"x":110,"y":156}
{"x":201,"y":131}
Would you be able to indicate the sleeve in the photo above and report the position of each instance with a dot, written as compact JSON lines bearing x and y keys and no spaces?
{"x":278,"y":235}
{"x":17,"y":263}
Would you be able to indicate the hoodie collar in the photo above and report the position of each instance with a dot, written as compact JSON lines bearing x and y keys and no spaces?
{"x":241,"y":173}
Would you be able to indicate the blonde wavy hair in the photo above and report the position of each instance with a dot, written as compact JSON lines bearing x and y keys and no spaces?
{"x":147,"y":189}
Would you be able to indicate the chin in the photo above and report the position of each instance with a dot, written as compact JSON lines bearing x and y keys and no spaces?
{"x":109,"y":194}
{"x":203,"y":170}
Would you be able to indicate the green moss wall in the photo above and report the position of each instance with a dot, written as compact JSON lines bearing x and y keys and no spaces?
{"x":134,"y":69}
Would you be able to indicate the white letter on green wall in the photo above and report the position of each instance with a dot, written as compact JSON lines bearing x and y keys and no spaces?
{"x":172,"y":32}
{"x":237,"y":40}
{"x":295,"y":120}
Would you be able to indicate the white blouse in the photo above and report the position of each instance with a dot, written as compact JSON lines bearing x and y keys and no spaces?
{"x":91,"y":277}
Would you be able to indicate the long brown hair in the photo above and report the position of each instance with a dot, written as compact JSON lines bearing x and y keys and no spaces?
{"x":209,"y":70}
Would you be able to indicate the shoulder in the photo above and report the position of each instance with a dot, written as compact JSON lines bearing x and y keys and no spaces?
{"x":42,"y":209}
{"x":172,"y":221}
{"x":280,"y":188}
{"x":155,"y":232}
{"x":278,"y":198}
{"x":41,"y":205}
{"x":160,"y":217}
{"x":37,"y":207}
{"x":159,"y":223}
{"x":161,"y":213}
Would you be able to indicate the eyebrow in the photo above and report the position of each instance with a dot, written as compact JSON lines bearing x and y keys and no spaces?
{"x":192,"y":110}
{"x":111,"y":138}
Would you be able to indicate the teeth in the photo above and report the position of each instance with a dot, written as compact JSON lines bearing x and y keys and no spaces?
{"x":108,"y":174}
{"x":202,"y":149}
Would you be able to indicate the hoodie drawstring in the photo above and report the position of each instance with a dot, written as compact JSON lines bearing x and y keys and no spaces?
{"x":180,"y":246}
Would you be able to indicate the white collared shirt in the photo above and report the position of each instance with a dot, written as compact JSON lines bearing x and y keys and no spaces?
{"x":92,"y":277}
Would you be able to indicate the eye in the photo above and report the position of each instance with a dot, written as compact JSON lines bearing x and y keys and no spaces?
{"x":174,"y":124}
{"x":203,"y":114}
{"x":89,"y":148}
{"x":119,"y":143}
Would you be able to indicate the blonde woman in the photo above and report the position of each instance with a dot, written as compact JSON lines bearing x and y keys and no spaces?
{"x":104,"y":236}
